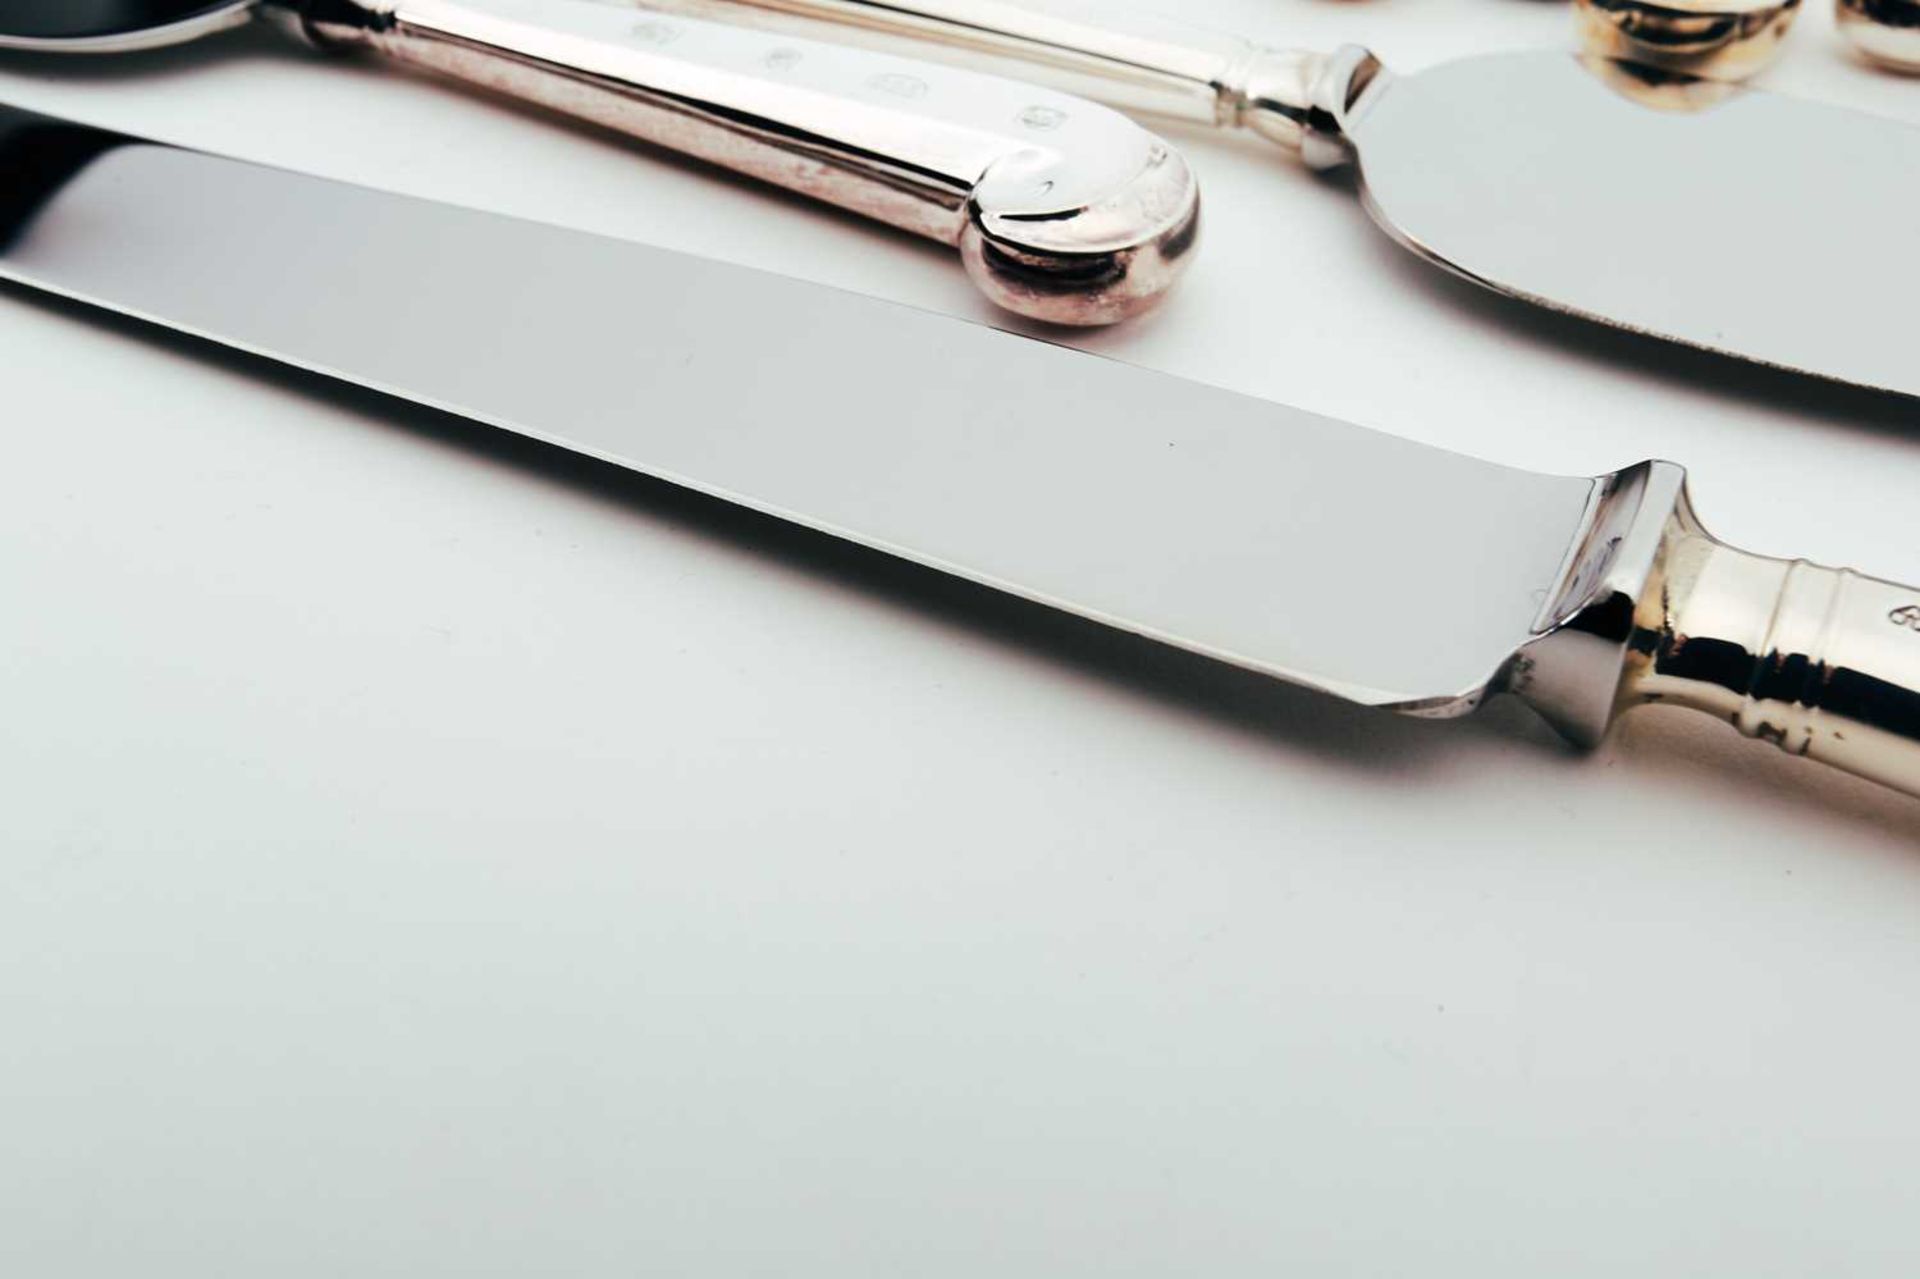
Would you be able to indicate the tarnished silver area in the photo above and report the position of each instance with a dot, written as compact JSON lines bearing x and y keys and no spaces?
{"x":1062,"y":210}
{"x":1750,"y":224}
{"x":1311,"y":550}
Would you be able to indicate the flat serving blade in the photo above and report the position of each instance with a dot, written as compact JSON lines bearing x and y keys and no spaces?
{"x":1722,"y":217}
{"x":1336,"y":557}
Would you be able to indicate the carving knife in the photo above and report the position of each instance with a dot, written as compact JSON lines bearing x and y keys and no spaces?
{"x":1310,"y":550}
{"x":1062,"y":210}
{"x":1717,"y":216}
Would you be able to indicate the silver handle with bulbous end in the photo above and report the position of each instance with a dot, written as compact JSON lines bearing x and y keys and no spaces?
{"x":1063,"y":210}
{"x":1132,"y":60}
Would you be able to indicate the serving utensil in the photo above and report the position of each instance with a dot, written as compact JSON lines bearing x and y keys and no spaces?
{"x":1374,"y":569}
{"x":1062,"y":210}
{"x":1709,"y":214}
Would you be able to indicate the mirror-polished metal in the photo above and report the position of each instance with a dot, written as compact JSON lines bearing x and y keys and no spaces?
{"x":1719,"y":217}
{"x":1062,"y":210}
{"x":114,"y":26}
{"x":1886,"y":32}
{"x":1372,"y":568}
{"x":1714,"y":39}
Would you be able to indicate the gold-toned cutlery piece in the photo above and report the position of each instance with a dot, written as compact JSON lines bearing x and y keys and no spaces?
{"x":1885,"y":32}
{"x":1717,"y":39}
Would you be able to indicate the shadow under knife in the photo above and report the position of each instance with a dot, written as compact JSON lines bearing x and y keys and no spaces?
{"x":1315,"y":729}
{"x":1332,"y":730}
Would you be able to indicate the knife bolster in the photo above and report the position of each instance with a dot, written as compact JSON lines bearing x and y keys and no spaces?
{"x":1341,"y":85}
{"x":1570,"y":672}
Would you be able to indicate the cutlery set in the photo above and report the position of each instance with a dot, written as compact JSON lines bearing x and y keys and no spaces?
{"x":1654,"y":202}
{"x":1317,"y":552}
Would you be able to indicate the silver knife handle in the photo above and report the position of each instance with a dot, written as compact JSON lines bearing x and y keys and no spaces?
{"x":1132,"y":60}
{"x":1063,"y":210}
{"x":1822,"y":662}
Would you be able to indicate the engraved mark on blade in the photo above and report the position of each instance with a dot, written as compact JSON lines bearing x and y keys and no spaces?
{"x":655,"y":32}
{"x":1043,"y":119}
{"x":900,"y":86}
{"x":784,"y":59}
{"x":1907,"y":616}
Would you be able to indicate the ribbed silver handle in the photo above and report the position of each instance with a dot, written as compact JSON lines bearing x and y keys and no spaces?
{"x":1822,"y":662}
{"x":1132,"y":60}
{"x":1063,"y":210}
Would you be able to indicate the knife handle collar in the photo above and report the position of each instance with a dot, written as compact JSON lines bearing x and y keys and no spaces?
{"x":1822,"y":662}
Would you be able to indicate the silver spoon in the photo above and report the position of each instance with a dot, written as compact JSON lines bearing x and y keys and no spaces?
{"x":1062,"y":210}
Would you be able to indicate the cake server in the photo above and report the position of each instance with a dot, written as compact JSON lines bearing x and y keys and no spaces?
{"x":1062,"y":210}
{"x":1718,"y":216}
{"x":1310,"y":550}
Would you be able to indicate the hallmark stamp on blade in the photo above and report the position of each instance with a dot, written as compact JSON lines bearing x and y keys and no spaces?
{"x":900,"y":86}
{"x":1907,"y":616}
{"x":1042,"y":119}
{"x":655,"y":33}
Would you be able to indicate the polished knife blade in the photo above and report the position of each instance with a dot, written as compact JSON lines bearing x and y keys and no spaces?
{"x":1717,"y":216}
{"x":1375,"y":569}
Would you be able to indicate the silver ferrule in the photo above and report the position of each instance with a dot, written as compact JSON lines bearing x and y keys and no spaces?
{"x":1271,"y":93}
{"x":1822,"y":662}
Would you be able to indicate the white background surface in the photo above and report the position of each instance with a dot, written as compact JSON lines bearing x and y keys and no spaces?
{"x":429,"y":857}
